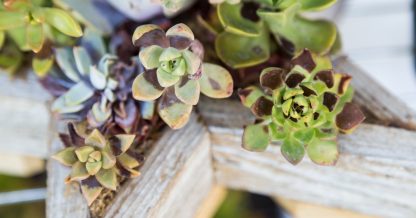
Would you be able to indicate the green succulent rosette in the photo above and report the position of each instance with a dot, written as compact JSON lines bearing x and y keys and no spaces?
{"x":243,"y":30}
{"x":30,"y":25}
{"x":96,"y":161}
{"x":175,"y":73}
{"x":304,"y":107}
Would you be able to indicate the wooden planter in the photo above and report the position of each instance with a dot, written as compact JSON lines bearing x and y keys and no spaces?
{"x":375,"y":175}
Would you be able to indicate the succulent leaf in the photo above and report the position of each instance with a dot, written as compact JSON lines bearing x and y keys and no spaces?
{"x":82,"y":60}
{"x":256,"y":138}
{"x":180,"y":30}
{"x":62,"y":21}
{"x":216,"y":81}
{"x":293,"y":150}
{"x":188,"y":91}
{"x":83,"y":153}
{"x":12,"y":19}
{"x":349,"y":118}
{"x":66,"y":156}
{"x":35,"y":37}
{"x":316,"y":5}
{"x":173,"y":111}
{"x":95,"y":138}
{"x":107,"y":178}
{"x":91,"y":189}
{"x":323,"y":152}
{"x":149,"y":56}
{"x":249,"y":95}
{"x":149,"y":34}
{"x":42,"y":66}
{"x":146,"y":87}
{"x":272,"y":78}
{"x":78,"y":172}
{"x":233,"y":22}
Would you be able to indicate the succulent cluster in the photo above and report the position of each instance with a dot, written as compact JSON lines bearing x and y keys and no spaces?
{"x":175,"y":73}
{"x":242,"y":30}
{"x":32,"y":26}
{"x":91,"y":84}
{"x":304,"y":107}
{"x":97,"y":162}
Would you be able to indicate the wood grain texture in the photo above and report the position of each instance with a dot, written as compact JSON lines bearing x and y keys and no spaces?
{"x":377,"y":166}
{"x":176,"y":178}
{"x":63,"y":200}
{"x":375,"y":98}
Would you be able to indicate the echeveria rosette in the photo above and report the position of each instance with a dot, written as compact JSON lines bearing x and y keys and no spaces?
{"x":244,"y":40}
{"x":174,"y":72}
{"x":31,"y":25}
{"x":304,"y":108}
{"x":96,"y":161}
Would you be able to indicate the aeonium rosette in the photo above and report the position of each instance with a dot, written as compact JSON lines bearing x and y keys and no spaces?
{"x":304,"y":107}
{"x":97,"y":161}
{"x":175,"y":73}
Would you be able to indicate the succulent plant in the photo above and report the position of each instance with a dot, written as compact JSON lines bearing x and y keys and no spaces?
{"x":175,"y":72}
{"x":243,"y":30}
{"x":97,"y":161}
{"x":304,"y":107}
{"x":30,"y":25}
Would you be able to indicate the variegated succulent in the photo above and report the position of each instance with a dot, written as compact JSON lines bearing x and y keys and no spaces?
{"x":175,"y":72}
{"x":304,"y":107}
{"x":243,"y":30}
{"x":96,"y":161}
{"x":30,"y":25}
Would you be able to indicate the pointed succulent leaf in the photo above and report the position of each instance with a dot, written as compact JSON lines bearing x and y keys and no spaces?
{"x":60,"y":106}
{"x":42,"y":66}
{"x":93,"y":42}
{"x":107,"y":178}
{"x":62,"y":21}
{"x":323,"y":152}
{"x":149,"y":56}
{"x":82,"y":60}
{"x":78,"y":172}
{"x":233,"y":22}
{"x":109,"y":160}
{"x":83,"y":153}
{"x":278,"y":116}
{"x":66,"y":156}
{"x":350,"y":117}
{"x":293,"y":79}
{"x":146,"y":86}
{"x":12,"y":19}
{"x":93,"y":167}
{"x":18,"y":35}
{"x":193,"y":62}
{"x":97,"y":78}
{"x":174,"y":112}
{"x":66,"y":61}
{"x":326,"y":76}
{"x":78,"y":94}
{"x":272,"y":78}
{"x":121,"y":143}
{"x":249,"y":95}
{"x":256,"y":137}
{"x":149,"y":34}
{"x":127,"y":161}
{"x":95,"y":138}
{"x":293,"y":150}
{"x":166,"y":79}
{"x":316,"y":5}
{"x":216,"y":81}
{"x":35,"y":37}
{"x":91,"y":189}
{"x":188,"y":91}
{"x":239,"y":51}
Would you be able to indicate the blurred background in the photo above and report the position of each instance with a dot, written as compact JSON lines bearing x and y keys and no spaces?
{"x":378,"y":35}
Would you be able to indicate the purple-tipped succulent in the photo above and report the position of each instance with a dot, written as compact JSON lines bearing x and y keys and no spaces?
{"x":304,"y":107}
{"x":97,"y":161}
{"x":175,"y":73}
